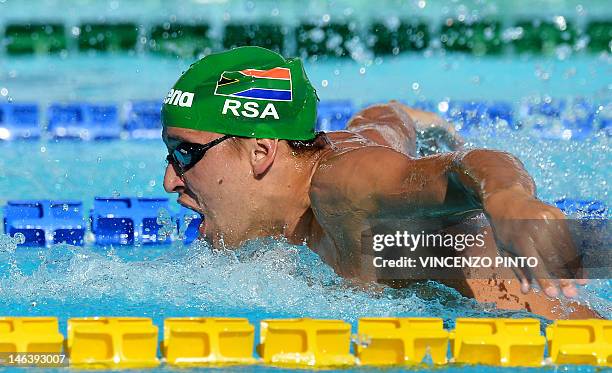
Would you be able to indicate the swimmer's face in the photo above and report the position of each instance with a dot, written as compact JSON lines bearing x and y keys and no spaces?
{"x":212,"y":186}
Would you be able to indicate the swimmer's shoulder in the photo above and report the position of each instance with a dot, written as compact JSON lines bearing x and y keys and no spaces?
{"x":345,"y":175}
{"x":357,"y":176}
{"x":340,"y":143}
{"x":342,"y":148}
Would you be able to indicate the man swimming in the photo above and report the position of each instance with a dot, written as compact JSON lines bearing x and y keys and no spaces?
{"x":239,"y":127}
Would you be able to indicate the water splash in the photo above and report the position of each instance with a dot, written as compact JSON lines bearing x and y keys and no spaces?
{"x":271,"y":276}
{"x":561,"y":168}
{"x":265,"y":278}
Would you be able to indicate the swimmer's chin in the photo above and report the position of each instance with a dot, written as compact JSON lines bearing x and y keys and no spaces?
{"x":208,"y":232}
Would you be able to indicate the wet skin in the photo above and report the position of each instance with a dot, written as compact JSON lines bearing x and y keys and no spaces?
{"x":259,"y":187}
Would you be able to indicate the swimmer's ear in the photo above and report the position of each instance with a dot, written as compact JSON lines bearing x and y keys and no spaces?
{"x":262,"y":154}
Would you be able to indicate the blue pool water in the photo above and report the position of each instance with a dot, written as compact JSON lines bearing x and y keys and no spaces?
{"x":266,"y":278}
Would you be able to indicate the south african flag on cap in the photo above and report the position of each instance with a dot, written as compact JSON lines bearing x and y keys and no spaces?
{"x":271,"y":85}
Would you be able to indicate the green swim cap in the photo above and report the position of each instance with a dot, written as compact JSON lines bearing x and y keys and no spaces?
{"x":247,"y":91}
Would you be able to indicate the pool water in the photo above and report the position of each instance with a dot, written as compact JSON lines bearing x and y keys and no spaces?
{"x":265,"y":278}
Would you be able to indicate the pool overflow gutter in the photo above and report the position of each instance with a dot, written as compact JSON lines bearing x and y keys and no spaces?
{"x":132,"y":342}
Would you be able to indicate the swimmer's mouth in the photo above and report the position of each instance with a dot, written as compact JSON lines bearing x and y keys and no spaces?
{"x":201,"y":228}
{"x":186,"y":205}
{"x":193,"y":209}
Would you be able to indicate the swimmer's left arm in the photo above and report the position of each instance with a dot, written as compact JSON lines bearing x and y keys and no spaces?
{"x":444,"y":184}
{"x":523,"y":225}
{"x":454,"y":183}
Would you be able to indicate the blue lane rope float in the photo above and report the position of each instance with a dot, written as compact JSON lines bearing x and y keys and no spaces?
{"x":19,"y":121}
{"x":555,"y":119}
{"x":84,"y":121}
{"x":45,"y":222}
{"x":145,"y":221}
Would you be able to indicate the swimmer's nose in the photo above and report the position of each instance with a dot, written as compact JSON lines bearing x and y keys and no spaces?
{"x":172,"y":181}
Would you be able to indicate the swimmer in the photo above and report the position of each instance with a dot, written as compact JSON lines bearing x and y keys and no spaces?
{"x":243,"y":152}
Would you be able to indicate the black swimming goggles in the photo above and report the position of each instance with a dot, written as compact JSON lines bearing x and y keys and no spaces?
{"x":186,"y":154}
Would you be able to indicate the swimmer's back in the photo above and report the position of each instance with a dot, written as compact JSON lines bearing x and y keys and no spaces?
{"x":378,"y":125}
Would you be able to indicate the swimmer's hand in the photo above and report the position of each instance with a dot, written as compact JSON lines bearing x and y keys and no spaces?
{"x":525,"y":226}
